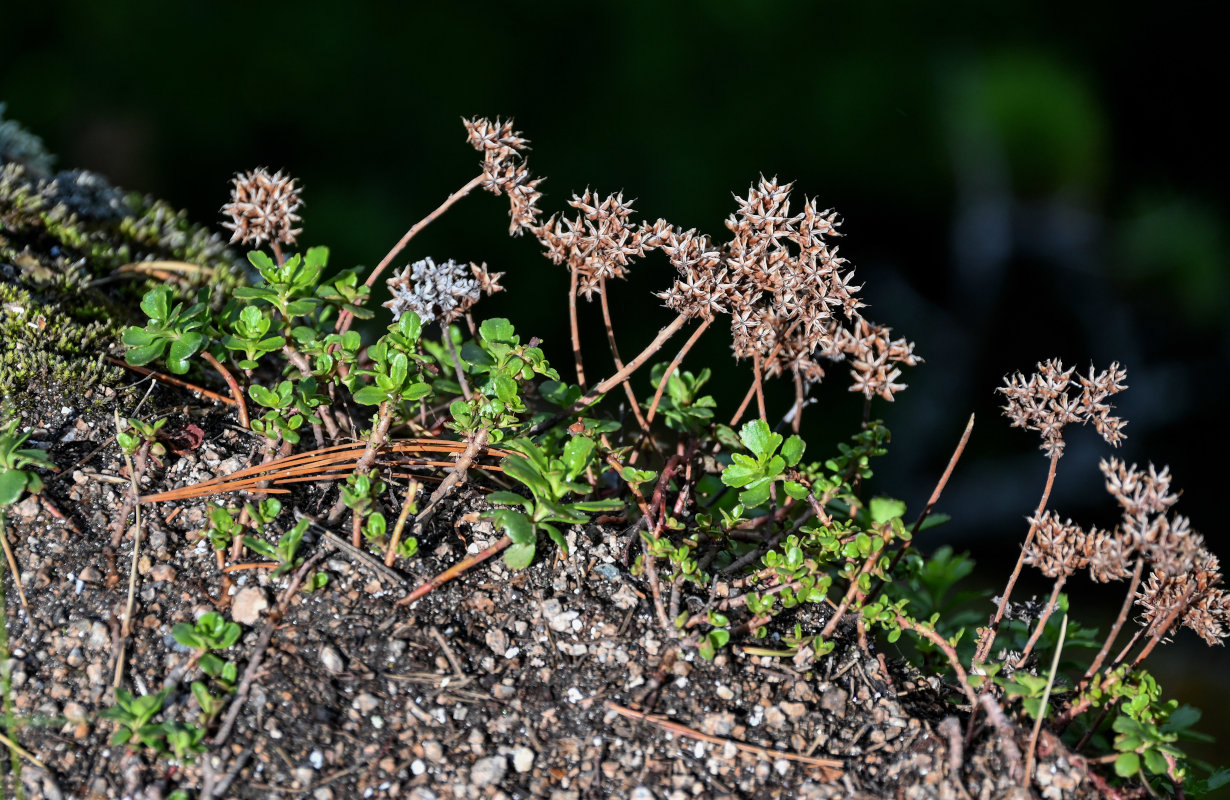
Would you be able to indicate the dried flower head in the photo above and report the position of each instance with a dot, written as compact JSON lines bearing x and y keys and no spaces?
{"x":1139,"y":493}
{"x":787,"y":292}
{"x":874,"y":358}
{"x":601,"y":242}
{"x":263,"y":207}
{"x":439,"y":292}
{"x":1057,"y":548}
{"x":1044,"y":403}
{"x":1194,"y":597}
{"x":505,"y":170}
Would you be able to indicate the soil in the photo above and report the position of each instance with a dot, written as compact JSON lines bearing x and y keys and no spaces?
{"x":550,"y":682}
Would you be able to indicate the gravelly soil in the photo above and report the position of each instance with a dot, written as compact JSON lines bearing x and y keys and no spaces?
{"x":500,"y":684}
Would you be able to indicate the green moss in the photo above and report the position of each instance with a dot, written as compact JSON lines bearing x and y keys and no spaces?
{"x":63,"y":300}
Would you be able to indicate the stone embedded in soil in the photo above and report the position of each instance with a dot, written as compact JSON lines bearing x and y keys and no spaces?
{"x":523,"y":759}
{"x":433,"y":751}
{"x":248,"y":605}
{"x":488,"y":771}
{"x":366,"y":703}
{"x":331,"y":660}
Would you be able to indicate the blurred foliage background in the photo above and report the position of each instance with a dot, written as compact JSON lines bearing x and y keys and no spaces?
{"x":1019,"y":181}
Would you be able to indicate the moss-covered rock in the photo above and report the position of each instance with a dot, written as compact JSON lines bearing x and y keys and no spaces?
{"x":76,"y":254}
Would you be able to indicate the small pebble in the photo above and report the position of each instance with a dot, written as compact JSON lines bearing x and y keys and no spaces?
{"x":331,"y":660}
{"x":248,"y":605}
{"x":488,"y":771}
{"x":523,"y":759}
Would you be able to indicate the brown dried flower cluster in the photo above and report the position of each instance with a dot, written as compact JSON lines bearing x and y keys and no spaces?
{"x":505,"y":170}
{"x":1044,"y":403}
{"x":602,"y":240}
{"x":440,"y":292}
{"x":263,"y":207}
{"x":1185,"y":577}
{"x":1057,"y":548}
{"x":787,"y":292}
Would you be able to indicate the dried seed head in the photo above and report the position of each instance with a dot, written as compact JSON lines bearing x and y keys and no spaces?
{"x":1043,"y":403}
{"x":262,"y":208}
{"x":505,"y":170}
{"x":601,"y":242}
{"x":1057,"y":548}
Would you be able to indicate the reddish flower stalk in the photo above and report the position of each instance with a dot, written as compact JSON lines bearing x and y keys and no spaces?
{"x":346,"y":319}
{"x":988,"y":635}
{"x":674,"y":365}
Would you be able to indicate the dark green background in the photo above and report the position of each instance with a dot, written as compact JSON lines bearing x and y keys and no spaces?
{"x":1018,"y":182}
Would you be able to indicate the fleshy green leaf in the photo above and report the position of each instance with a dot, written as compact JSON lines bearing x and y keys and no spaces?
{"x":1127,"y":765}
{"x":497,"y":330}
{"x":792,"y":450}
{"x":370,"y":396}
{"x":757,"y":437}
{"x":576,"y":454}
{"x":12,"y":484}
{"x":519,"y":556}
{"x":884,"y":509}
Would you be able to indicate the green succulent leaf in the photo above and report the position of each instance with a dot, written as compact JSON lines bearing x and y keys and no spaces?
{"x":757,"y":437}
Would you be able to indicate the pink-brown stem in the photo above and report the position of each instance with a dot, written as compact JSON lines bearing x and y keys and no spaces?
{"x":948,"y":651}
{"x":576,"y":331}
{"x":935,"y":498}
{"x":452,"y":572}
{"x":619,"y":377}
{"x":988,"y":636}
{"x":1046,"y":615}
{"x":236,"y":392}
{"x":796,"y":420}
{"x":759,"y":386}
{"x":674,"y":365}
{"x":619,"y":364}
{"x":345,"y":319}
{"x":1118,"y":626}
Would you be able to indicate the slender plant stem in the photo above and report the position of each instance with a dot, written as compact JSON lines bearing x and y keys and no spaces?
{"x":454,"y":571}
{"x":576,"y":331}
{"x":1046,"y":697}
{"x":126,"y":622}
{"x":1118,"y":626}
{"x":236,"y":392}
{"x":8,"y":555}
{"x":796,"y":420}
{"x":1042,"y":620}
{"x":851,"y":592}
{"x":610,"y":383}
{"x":458,"y":474}
{"x":345,"y":319}
{"x":747,"y":399}
{"x":953,"y":659}
{"x":262,"y":644}
{"x":988,"y":636}
{"x":406,"y":507}
{"x":619,"y":364}
{"x":935,"y":498}
{"x":380,"y":433}
{"x":759,"y":386}
{"x":452,"y":351}
{"x":173,"y":381}
{"x":674,"y":365}
{"x":756,"y":384}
